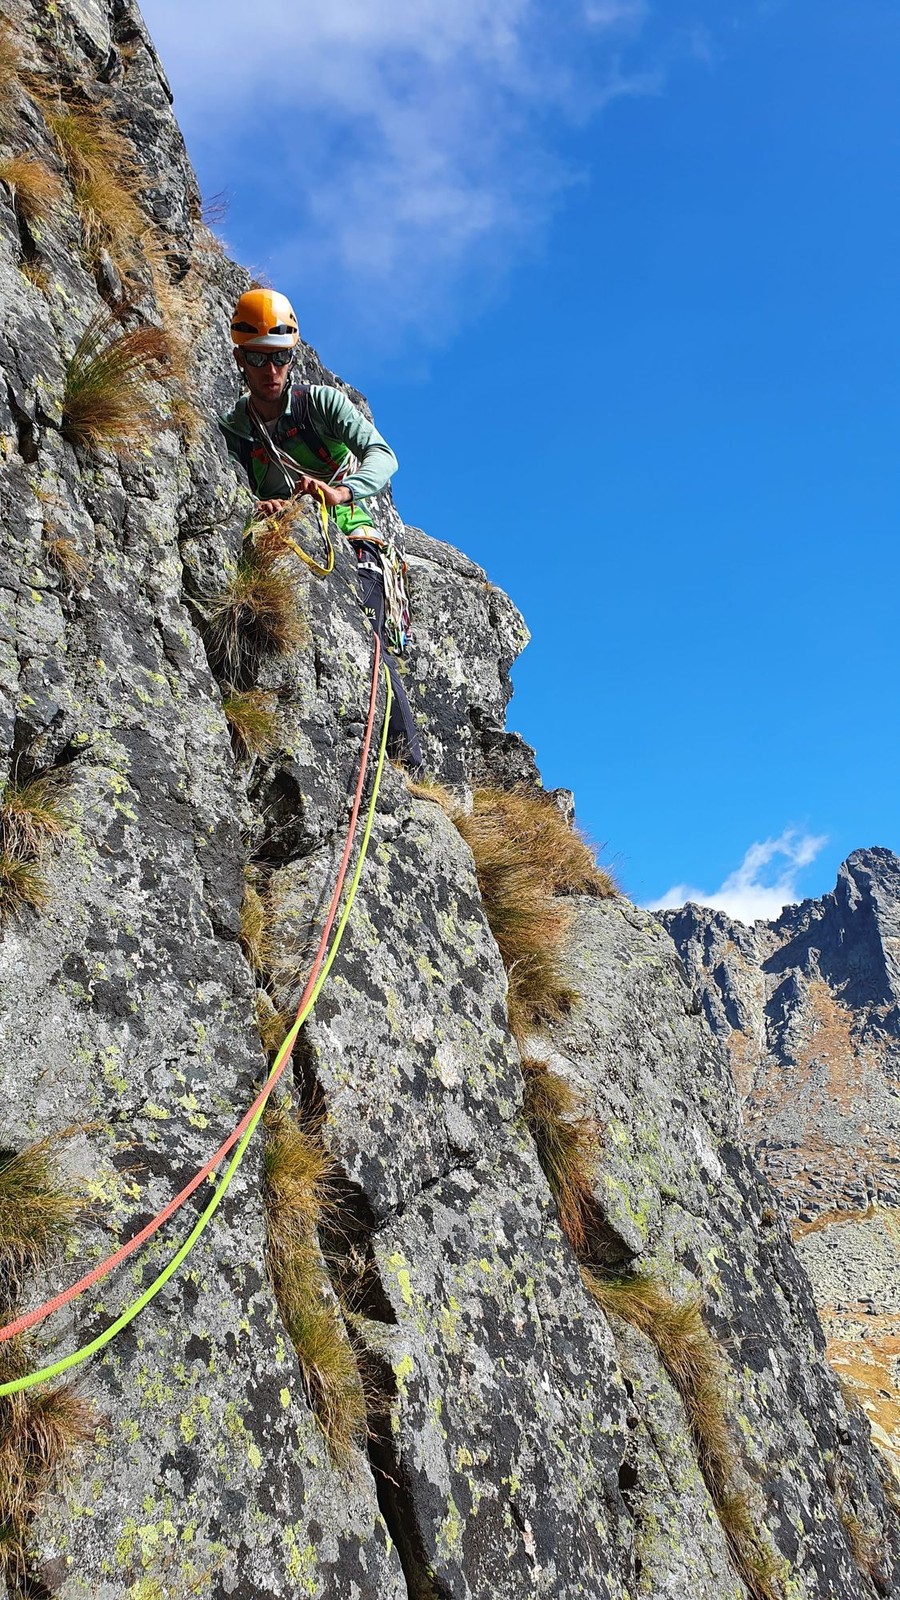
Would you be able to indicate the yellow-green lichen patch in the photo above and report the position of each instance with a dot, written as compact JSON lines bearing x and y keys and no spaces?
{"x":450,"y":1531}
{"x":398,"y":1266}
{"x":403,"y":1369}
{"x":300,"y":1562}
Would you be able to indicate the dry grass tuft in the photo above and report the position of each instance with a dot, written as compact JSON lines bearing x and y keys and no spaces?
{"x":299,"y":1174}
{"x":275,"y":537}
{"x":690,"y":1356}
{"x":36,"y":274}
{"x":214,"y":210}
{"x":692,"y":1359}
{"x":256,"y":938}
{"x":106,"y":185}
{"x":65,"y":556}
{"x":10,"y":68}
{"x":526,"y":856}
{"x":185,"y":414}
{"x":22,"y":885}
{"x":568,"y":1147}
{"x":865,"y":1547}
{"x":529,"y":924}
{"x":35,"y":189}
{"x":39,"y":1429}
{"x":36,"y":1212}
{"x":108,"y":399}
{"x":555,"y":849}
{"x":255,"y":614}
{"x":32,"y":816}
{"x":890,"y":1483}
{"x":272,"y":1025}
{"x":428,"y":788}
{"x":250,"y":714}
{"x":762,"y":1570}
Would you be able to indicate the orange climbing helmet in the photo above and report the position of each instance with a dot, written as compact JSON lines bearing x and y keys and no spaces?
{"x":265,"y":320}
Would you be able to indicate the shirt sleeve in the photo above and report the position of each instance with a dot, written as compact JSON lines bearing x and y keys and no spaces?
{"x":338,"y":418}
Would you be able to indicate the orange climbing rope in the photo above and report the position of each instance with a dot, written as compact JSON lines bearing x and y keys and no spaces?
{"x":29,"y":1318}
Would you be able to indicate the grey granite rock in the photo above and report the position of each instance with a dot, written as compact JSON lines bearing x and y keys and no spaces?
{"x":521,"y":1444}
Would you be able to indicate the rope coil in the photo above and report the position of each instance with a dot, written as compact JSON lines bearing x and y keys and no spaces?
{"x":297,"y":550}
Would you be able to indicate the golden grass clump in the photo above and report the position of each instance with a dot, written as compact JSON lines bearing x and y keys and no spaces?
{"x":690,"y":1356}
{"x":39,"y":1429}
{"x":10,"y":68}
{"x":554,"y":848}
{"x":692,"y":1360}
{"x":256,"y":937}
{"x":32,"y":816}
{"x":36,"y":1213}
{"x":250,"y":714}
{"x":568,"y":1147}
{"x":185,"y":415}
{"x":255,"y":614}
{"x":526,"y":856}
{"x":108,"y":399}
{"x":275,"y":536}
{"x":298,"y":1175}
{"x":427,"y":788}
{"x":272,"y":1025}
{"x":22,"y":885}
{"x":36,"y":274}
{"x":762,"y":1570}
{"x":65,"y":556}
{"x":865,"y":1540}
{"x":105,"y":182}
{"x":35,"y":189}
{"x":528,"y":922}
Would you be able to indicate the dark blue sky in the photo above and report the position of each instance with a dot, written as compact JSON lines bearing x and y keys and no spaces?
{"x":620,"y":282}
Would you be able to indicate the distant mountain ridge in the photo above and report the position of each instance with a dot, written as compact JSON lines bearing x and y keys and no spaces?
{"x":808,"y":1006}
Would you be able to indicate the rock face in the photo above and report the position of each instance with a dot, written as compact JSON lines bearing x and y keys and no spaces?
{"x":522,"y":1442}
{"x":808,"y":1007}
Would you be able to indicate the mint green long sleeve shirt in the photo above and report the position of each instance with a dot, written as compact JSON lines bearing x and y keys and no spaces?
{"x":343,"y":430}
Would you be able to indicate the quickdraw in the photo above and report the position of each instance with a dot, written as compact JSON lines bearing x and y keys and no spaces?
{"x":245,"y":1128}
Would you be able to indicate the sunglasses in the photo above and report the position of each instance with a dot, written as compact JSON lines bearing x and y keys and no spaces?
{"x":258,"y":358}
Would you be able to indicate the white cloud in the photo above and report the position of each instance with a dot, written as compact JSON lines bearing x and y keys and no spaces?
{"x":763,"y":884}
{"x":406,"y":150}
{"x":616,"y":13}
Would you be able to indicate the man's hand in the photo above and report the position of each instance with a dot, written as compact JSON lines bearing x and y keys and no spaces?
{"x":335,"y":494}
{"x":270,"y":508}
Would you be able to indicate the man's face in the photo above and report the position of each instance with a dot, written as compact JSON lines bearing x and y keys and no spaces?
{"x":265,"y":383}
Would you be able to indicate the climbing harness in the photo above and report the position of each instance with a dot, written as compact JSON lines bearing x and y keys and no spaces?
{"x":244,"y":1131}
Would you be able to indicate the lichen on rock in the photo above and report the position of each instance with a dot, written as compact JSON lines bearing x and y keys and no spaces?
{"x":520,"y":1442}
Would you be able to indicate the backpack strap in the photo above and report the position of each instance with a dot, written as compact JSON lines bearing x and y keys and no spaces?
{"x":243,"y":449}
{"x":303,"y":422}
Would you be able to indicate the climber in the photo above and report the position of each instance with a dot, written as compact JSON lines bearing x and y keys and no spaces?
{"x":290,"y":437}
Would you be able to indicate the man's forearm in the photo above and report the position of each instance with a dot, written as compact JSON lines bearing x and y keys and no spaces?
{"x":339,"y":418}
